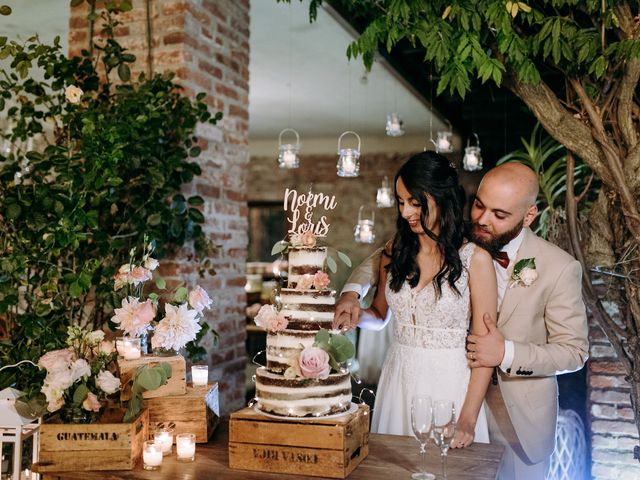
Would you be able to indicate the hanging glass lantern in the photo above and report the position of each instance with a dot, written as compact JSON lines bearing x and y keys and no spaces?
{"x":288,"y":153}
{"x":348,"y":158}
{"x":444,"y":140}
{"x":394,"y":125}
{"x":472,"y":160}
{"x":363,"y":231}
{"x":384,"y":197}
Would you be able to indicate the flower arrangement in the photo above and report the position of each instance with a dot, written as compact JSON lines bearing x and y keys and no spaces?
{"x":327,"y":354}
{"x":79,"y":376}
{"x":524,"y":273}
{"x":180,"y":323}
{"x":309,"y":240}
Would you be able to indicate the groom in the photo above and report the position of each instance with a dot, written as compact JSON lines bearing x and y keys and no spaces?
{"x":541,"y":329}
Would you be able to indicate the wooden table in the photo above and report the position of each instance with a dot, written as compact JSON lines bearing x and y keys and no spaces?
{"x":391,"y":457}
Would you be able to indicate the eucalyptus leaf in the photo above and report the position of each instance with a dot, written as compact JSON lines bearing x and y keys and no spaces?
{"x":181,"y":295}
{"x":149,"y":379}
{"x":166,"y":367}
{"x":342,"y":348}
{"x":331,"y":264}
{"x":161,"y":283}
{"x":80,"y":394}
{"x":279,"y":247}
{"x":345,"y":258}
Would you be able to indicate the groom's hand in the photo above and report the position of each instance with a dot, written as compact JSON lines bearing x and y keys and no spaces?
{"x":347,"y":312}
{"x":486,"y":350}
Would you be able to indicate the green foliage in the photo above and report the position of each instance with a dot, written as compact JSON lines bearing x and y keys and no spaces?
{"x":487,"y":39}
{"x":81,"y":183}
{"x":338,"y":347}
{"x":548,"y":159}
{"x":146,"y":378}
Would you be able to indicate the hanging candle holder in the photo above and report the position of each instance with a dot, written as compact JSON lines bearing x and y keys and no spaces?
{"x":288,"y":153}
{"x":472,"y":160}
{"x":384,"y":196}
{"x":444,"y":140}
{"x":348,"y":158}
{"x":394,"y":125}
{"x":363,"y":231}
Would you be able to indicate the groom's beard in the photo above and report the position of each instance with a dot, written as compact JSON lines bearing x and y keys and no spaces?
{"x":495,"y":243}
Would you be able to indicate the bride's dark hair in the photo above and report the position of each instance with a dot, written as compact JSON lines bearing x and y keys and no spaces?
{"x":429,"y":173}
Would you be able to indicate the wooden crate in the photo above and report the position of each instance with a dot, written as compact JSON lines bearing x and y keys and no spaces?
{"x":176,"y":385}
{"x":106,"y":445}
{"x":331,"y":447}
{"x":197,"y":411}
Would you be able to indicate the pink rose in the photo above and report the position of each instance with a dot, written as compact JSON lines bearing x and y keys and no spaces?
{"x":314,"y":363}
{"x":140,"y":274}
{"x":199,"y":299}
{"x":106,"y":347}
{"x":277,"y":323}
{"x":308,"y":239}
{"x":57,"y":360}
{"x":305,"y":282}
{"x":321,"y":280}
{"x":91,"y":403}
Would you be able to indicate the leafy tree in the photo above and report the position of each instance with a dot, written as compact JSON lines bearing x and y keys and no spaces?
{"x":83,"y":180}
{"x":593,"y":45}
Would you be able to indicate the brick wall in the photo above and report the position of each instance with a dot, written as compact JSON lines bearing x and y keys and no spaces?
{"x":613,"y":431}
{"x":206,"y":43}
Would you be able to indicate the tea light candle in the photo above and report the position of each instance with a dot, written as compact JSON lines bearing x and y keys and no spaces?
{"x":151,"y":456}
{"x":200,"y":375}
{"x":164,"y":438}
{"x":131,"y":348}
{"x":186,"y":447}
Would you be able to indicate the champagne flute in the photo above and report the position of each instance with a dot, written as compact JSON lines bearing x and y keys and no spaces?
{"x":421,"y":419}
{"x":444,"y":428}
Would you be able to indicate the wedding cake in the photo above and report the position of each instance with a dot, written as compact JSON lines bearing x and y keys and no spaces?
{"x":303,"y":376}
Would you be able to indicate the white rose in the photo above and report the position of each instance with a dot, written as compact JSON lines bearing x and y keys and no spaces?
{"x":95,"y":337}
{"x":59,"y":380}
{"x":107,"y":382}
{"x":528,"y":276}
{"x":73,"y":94}
{"x":80,"y":368}
{"x":263,"y":317}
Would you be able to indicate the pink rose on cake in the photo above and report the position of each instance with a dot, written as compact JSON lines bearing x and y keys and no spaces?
{"x":321,"y":280}
{"x":269,"y":318}
{"x":305,"y":282}
{"x":314,"y":363}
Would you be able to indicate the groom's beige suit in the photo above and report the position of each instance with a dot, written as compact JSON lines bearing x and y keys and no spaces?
{"x":547,"y":324}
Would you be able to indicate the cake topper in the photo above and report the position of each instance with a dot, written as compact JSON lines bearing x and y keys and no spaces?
{"x":295,"y":202}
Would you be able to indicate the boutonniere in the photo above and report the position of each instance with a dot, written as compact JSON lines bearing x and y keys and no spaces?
{"x":524,"y":273}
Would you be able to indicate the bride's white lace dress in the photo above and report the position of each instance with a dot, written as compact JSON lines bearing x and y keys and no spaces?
{"x":427,"y":355}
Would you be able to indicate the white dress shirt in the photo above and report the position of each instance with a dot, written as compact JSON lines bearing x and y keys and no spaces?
{"x":503,"y":276}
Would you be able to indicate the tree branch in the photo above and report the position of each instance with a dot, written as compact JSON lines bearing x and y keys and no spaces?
{"x":612,"y":331}
{"x":560,"y":124}
{"x":627,"y":89}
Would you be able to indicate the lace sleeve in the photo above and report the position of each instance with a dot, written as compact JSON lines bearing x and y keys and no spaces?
{"x":466,"y":252}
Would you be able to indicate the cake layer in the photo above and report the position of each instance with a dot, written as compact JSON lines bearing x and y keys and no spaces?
{"x":302,"y":397}
{"x":308,"y":309}
{"x":283,"y":345}
{"x":305,"y":261}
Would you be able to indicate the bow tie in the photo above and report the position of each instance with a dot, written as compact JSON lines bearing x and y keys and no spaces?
{"x":502,"y":258}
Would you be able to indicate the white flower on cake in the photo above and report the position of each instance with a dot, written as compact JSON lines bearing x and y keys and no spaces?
{"x":199,"y":299}
{"x":524,"y":273}
{"x":134,"y":316}
{"x":321,"y":280}
{"x":107,"y":382}
{"x":178,"y":327}
{"x":73,"y":94}
{"x":269,"y":318}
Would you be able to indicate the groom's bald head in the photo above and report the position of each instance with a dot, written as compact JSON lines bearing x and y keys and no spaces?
{"x":514,"y":178}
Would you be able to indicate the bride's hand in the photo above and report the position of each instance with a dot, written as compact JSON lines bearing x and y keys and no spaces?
{"x":465,"y":432}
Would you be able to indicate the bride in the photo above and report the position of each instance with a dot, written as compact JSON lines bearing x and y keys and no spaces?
{"x":432,"y":283}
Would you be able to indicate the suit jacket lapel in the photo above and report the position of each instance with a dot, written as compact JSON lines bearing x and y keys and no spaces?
{"x":512,"y":296}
